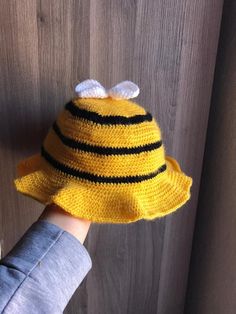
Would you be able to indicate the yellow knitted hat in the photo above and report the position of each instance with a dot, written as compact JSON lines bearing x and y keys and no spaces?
{"x":103,"y":159}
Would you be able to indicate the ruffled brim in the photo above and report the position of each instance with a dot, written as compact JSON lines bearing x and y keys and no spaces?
{"x":105,"y":203}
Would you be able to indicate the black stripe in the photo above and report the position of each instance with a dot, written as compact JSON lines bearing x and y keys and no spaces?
{"x":104,"y":150}
{"x":97,"y":118}
{"x":96,"y":178}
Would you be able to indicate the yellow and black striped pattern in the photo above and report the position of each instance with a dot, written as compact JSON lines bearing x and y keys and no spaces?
{"x":104,"y":160}
{"x":92,"y":144}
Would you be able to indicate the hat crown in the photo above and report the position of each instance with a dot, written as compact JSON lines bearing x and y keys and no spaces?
{"x":107,"y":138}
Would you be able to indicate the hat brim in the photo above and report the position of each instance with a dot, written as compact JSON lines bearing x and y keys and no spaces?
{"x":105,"y":203}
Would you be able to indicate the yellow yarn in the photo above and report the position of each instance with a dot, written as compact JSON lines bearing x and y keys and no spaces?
{"x":104,"y":160}
{"x":103,"y":135}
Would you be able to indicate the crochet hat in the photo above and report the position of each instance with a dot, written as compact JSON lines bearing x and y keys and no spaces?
{"x":103,"y":159}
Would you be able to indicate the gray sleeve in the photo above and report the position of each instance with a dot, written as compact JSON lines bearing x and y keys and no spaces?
{"x":42,"y":271}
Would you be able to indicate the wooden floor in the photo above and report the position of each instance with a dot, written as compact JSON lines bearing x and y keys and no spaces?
{"x":169,"y":49}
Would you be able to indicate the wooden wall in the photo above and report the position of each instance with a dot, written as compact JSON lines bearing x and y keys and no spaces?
{"x":168,"y":48}
{"x":212,"y":277}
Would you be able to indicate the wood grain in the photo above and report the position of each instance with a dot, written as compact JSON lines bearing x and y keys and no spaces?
{"x":212,"y":277}
{"x":168,"y":48}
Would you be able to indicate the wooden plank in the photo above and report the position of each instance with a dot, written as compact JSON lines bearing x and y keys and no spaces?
{"x":212,"y":277}
{"x":196,"y":71}
{"x":20,"y":111}
{"x":64,"y":45}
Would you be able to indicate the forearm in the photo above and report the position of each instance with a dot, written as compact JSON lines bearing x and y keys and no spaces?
{"x":46,"y":266}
